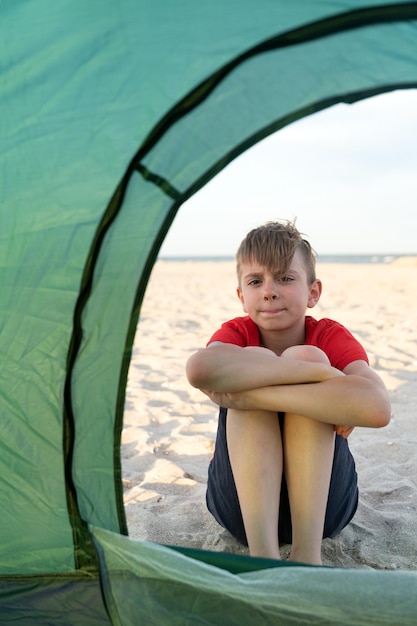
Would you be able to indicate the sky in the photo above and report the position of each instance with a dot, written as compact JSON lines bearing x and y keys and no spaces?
{"x":347,"y":175}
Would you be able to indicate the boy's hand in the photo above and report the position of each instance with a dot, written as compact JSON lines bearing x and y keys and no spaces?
{"x":344,"y":431}
{"x":228,"y":400}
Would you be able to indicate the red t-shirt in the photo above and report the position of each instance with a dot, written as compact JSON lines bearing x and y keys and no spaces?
{"x":334,"y":339}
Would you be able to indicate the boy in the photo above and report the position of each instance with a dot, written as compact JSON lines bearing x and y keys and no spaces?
{"x":290,"y":390}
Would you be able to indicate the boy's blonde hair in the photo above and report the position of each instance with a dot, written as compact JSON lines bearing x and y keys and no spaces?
{"x":273,"y":245}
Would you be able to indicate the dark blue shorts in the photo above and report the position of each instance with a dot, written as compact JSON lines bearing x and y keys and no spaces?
{"x":223,"y":502}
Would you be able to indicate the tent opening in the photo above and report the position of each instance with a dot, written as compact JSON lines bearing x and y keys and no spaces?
{"x":339,"y":173}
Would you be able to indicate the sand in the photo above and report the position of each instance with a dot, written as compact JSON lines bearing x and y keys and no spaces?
{"x":169,"y":427}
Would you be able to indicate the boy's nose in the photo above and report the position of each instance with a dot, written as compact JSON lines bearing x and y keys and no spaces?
{"x":270,"y":293}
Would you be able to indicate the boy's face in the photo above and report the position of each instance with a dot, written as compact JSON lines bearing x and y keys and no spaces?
{"x":275,"y":302}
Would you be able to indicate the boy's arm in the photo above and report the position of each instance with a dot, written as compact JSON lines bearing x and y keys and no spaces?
{"x":358,"y":398}
{"x":224,"y":367}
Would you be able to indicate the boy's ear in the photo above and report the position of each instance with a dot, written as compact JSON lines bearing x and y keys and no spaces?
{"x":241,"y":298}
{"x":315,"y":293}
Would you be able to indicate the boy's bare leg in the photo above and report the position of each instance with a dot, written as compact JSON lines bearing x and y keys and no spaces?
{"x":308,"y":460}
{"x":255,"y":451}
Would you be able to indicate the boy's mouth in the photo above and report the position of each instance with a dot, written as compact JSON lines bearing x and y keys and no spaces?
{"x":272,"y":311}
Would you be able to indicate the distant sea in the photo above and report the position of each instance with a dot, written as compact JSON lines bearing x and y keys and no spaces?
{"x":322,"y":258}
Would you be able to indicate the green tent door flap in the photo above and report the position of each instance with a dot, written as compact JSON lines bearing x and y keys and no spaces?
{"x":113,"y":113}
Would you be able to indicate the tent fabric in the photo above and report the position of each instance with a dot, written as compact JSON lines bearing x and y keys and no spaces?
{"x":53,"y":601}
{"x":113,"y":113}
{"x":148,"y":583}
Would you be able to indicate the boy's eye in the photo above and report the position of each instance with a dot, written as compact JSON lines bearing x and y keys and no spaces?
{"x":254,"y":281}
{"x":286,"y":279}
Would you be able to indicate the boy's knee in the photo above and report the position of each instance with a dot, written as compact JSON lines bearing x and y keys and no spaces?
{"x":306,"y":353}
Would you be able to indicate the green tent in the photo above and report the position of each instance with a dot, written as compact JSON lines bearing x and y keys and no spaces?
{"x":113,"y":113}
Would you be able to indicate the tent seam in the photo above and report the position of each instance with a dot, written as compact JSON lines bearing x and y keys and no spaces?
{"x":159,"y":181}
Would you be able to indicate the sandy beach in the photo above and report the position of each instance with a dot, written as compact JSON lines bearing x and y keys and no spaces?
{"x":169,"y":427}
